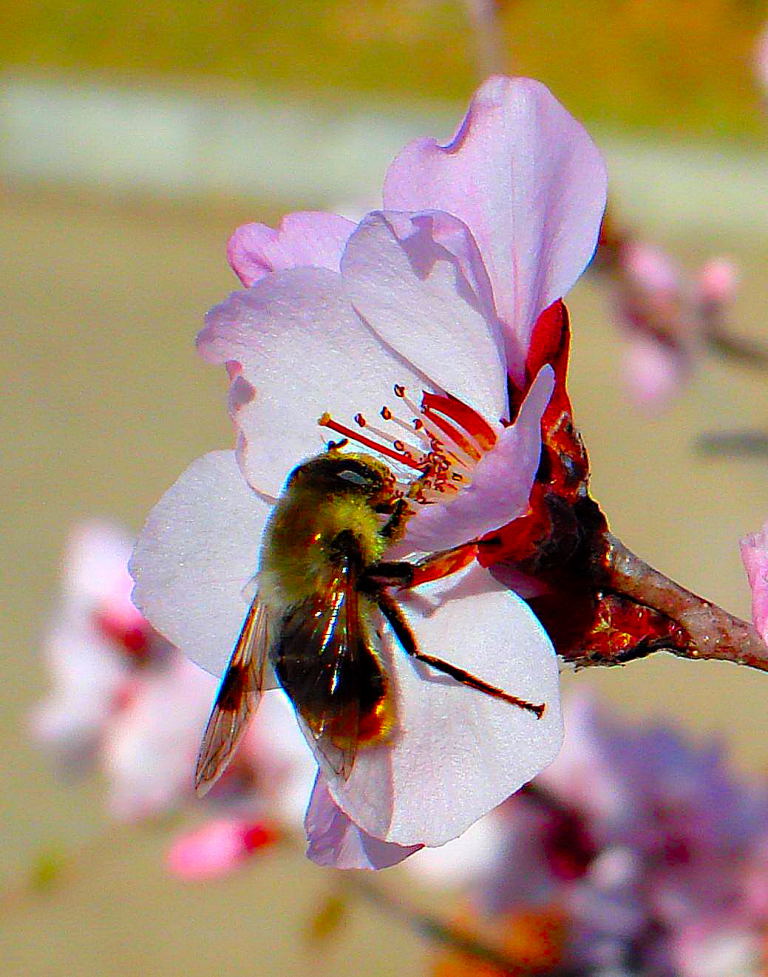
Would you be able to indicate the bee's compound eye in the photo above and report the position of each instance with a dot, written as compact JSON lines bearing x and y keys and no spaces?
{"x":349,"y":475}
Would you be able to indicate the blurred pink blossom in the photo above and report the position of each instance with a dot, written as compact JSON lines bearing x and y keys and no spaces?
{"x":667,"y":318}
{"x":717,"y":282}
{"x":761,"y":59}
{"x":97,"y":647}
{"x":436,"y":294}
{"x":127,"y":703}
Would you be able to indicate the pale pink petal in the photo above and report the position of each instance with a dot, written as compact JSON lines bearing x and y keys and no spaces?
{"x":86,"y":676}
{"x":718,"y":947}
{"x":501,"y":482}
{"x":305,"y":352}
{"x":459,"y":752}
{"x":412,"y":291}
{"x":529,"y":183}
{"x":86,"y":669}
{"x":754,"y":553}
{"x":654,"y":371}
{"x":335,"y":841}
{"x":307,"y":238}
{"x":197,"y":555}
{"x":151,"y":744}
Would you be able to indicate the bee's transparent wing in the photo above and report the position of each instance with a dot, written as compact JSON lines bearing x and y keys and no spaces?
{"x":237,"y":698}
{"x":325,"y":667}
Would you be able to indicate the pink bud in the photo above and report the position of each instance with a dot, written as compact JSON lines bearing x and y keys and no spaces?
{"x":649,"y":268}
{"x":717,"y":281}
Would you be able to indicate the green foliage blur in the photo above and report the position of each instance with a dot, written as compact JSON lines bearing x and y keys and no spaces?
{"x":678,"y":65}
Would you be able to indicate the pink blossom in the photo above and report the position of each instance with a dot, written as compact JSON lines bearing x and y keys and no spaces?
{"x":429,"y":302}
{"x":754,"y":553}
{"x":648,"y":846}
{"x":217,"y":848}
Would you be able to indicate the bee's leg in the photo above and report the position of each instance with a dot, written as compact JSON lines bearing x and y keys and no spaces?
{"x":394,"y":526}
{"x":402,"y":574}
{"x":402,"y":629}
{"x":442,"y":564}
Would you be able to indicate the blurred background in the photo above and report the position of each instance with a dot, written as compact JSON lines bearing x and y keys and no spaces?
{"x":133,"y":140}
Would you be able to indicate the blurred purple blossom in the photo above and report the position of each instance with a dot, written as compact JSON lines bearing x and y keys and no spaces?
{"x":653,"y":850}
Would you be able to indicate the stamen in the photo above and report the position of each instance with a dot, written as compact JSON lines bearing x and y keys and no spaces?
{"x":446,"y":447}
{"x":436,"y":435}
{"x":397,"y":443}
{"x":451,"y":438}
{"x":400,"y":456}
{"x":335,"y":445}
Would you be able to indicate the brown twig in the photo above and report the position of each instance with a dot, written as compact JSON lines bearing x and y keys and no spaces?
{"x":734,"y":444}
{"x":490,"y":54}
{"x":712,"y":632}
{"x":438,"y":931}
{"x":740,"y":349}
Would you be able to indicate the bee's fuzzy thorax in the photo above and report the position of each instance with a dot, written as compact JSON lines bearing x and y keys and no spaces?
{"x":297,"y":554}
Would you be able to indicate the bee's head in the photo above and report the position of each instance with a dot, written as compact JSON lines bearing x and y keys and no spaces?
{"x":334,"y":473}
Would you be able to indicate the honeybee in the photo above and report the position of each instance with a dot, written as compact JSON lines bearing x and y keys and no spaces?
{"x":320,"y":581}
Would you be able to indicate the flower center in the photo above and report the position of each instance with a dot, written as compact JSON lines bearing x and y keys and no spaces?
{"x":442,"y":439}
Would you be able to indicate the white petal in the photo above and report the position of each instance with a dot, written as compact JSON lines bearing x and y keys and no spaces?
{"x":459,"y":752}
{"x":304,"y":351}
{"x":196,"y":556}
{"x":529,"y":183}
{"x":413,"y":293}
